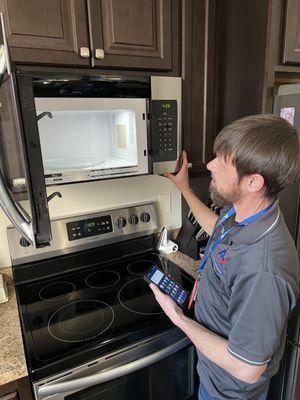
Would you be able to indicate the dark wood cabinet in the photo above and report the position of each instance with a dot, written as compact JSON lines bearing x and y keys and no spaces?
{"x":131,"y":33}
{"x":124,"y":34}
{"x":199,"y":72}
{"x":16,"y":390}
{"x":253,"y":55}
{"x":291,"y":52}
{"x":10,"y":396}
{"x":245,"y":55}
{"x":46,"y":32}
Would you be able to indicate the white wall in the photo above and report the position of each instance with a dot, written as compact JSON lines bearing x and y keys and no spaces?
{"x":83,"y":198}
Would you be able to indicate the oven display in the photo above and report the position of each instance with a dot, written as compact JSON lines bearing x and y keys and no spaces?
{"x":89,"y":227}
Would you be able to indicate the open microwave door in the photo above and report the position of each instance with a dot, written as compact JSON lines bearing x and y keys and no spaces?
{"x":19,"y":146}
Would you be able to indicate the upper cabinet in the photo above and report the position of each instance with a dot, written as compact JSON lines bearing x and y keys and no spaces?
{"x":46,"y":31}
{"x":291,"y":53}
{"x":131,"y":33}
{"x":92,"y":33}
{"x":201,"y":22}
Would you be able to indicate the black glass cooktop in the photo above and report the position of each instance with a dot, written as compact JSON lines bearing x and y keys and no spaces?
{"x":92,"y":309}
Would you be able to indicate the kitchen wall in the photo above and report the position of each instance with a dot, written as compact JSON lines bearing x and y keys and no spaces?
{"x":89,"y":197}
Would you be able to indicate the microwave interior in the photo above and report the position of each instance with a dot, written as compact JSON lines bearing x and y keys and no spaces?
{"x":92,"y":138}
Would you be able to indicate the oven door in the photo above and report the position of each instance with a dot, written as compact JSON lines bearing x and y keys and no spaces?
{"x":21,"y":167}
{"x":151,"y":370}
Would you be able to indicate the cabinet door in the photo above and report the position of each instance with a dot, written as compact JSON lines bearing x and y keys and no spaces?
{"x":10,"y":396}
{"x":131,"y":33}
{"x":291,"y":53}
{"x":199,"y":81}
{"x":46,"y":31}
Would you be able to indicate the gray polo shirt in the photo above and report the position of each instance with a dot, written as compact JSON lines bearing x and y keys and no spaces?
{"x":248,"y":288}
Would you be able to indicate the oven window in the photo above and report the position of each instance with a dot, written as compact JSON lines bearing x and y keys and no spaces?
{"x":171,"y":378}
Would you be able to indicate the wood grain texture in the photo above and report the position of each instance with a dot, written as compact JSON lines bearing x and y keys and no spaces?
{"x":46,"y":31}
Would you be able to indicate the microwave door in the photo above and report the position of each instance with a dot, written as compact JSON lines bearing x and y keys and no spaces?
{"x":16,"y":119}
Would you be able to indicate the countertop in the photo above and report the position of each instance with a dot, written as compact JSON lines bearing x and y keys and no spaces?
{"x":184,"y":262}
{"x":12,"y":357}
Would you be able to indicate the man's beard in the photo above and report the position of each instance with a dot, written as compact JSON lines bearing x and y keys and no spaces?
{"x":220,"y":199}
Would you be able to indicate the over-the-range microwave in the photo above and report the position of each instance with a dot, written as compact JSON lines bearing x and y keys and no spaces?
{"x":61,"y":128}
{"x":106,"y":126}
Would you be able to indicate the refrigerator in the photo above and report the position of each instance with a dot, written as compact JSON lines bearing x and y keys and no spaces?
{"x":286,"y":384}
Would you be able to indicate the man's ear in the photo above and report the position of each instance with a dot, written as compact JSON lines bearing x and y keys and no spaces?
{"x":255,"y":183}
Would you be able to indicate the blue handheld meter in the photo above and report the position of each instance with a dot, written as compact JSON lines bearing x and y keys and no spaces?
{"x":167,"y":285}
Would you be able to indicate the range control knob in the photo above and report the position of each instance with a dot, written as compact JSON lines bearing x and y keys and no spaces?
{"x":24,"y":242}
{"x":145,"y":217}
{"x":121,"y":222}
{"x":133,"y":219}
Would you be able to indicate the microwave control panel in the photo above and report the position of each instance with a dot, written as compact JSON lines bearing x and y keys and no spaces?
{"x":89,"y":227}
{"x":164,"y":130}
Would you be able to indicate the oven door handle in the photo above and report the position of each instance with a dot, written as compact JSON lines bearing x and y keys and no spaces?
{"x":105,"y":376}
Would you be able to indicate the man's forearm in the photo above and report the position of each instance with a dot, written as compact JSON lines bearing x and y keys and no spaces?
{"x":215,"y":348}
{"x":203,"y":214}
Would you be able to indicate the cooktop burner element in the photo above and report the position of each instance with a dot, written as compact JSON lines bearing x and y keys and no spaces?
{"x":80,"y":321}
{"x":140,"y":267}
{"x":57,"y":291}
{"x":102,"y":279}
{"x":137,"y":297}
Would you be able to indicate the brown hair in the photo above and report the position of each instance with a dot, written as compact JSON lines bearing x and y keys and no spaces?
{"x":264,"y":144}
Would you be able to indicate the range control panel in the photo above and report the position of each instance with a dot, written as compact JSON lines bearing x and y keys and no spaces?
{"x":164,"y":130}
{"x":82,"y":232}
{"x":89,"y":227}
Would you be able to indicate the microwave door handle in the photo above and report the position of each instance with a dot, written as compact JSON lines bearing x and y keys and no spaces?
{"x":5,"y":65}
{"x":105,"y":376}
{"x":15,"y":213}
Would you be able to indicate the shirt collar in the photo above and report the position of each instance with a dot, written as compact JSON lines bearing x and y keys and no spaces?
{"x":257,"y":229}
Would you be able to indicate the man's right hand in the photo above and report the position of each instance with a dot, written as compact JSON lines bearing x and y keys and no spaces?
{"x":181,"y":178}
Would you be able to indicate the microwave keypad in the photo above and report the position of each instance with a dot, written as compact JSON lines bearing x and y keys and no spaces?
{"x":164,"y":129}
{"x":89,"y":227}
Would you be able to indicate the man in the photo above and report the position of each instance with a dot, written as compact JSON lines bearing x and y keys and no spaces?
{"x":250,"y":278}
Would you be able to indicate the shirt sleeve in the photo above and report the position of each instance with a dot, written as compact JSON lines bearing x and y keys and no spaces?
{"x":258,"y":313}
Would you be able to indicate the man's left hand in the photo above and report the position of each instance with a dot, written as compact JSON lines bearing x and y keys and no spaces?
{"x":173,"y":311}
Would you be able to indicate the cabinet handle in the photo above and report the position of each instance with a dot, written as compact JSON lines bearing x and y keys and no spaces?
{"x":99,"y":53}
{"x":84,"y":52}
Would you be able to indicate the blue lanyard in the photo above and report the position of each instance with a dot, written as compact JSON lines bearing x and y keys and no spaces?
{"x":210,"y":249}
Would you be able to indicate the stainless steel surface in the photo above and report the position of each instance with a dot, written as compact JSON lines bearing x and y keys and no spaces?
{"x":167,"y":88}
{"x":5,"y":45}
{"x":291,"y":88}
{"x":61,"y":244}
{"x":84,"y":52}
{"x":18,"y":182}
{"x":160,"y":168}
{"x":111,"y":366}
{"x":15,"y":213}
{"x":99,"y":53}
{"x":2,"y":62}
{"x":13,"y":210}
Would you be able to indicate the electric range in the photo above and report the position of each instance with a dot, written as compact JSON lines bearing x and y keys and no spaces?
{"x":85,"y":298}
